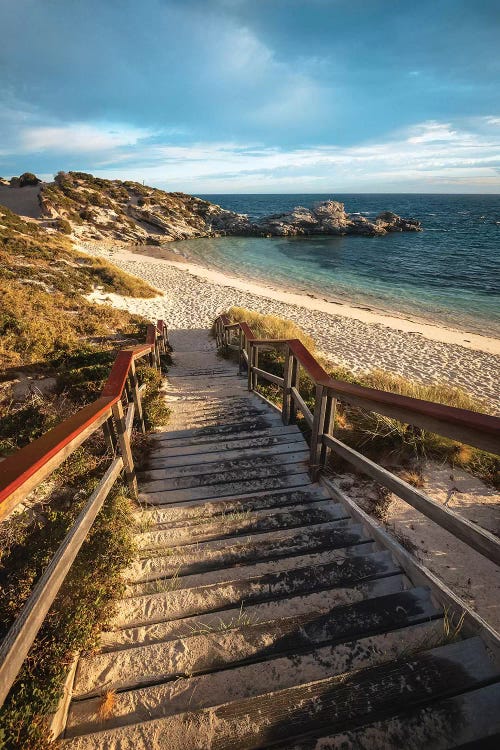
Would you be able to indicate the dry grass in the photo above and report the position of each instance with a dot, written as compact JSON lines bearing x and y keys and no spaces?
{"x":270,"y":326}
{"x":108,"y":705}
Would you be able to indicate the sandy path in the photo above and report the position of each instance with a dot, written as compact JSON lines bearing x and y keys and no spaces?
{"x":193,"y":296}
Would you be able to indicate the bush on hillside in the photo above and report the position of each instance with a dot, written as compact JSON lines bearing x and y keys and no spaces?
{"x":28,"y":178}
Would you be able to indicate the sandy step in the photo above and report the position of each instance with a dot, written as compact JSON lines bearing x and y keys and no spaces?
{"x":166,"y":460}
{"x":239,"y":572}
{"x":191,"y":693}
{"x":336,"y":703}
{"x":200,"y":558}
{"x":239,"y":524}
{"x":469,"y":721}
{"x":313,"y":605}
{"x":332,"y":703}
{"x":231,"y":444}
{"x":206,"y":509}
{"x":215,"y":649}
{"x":245,"y":486}
{"x":173,"y":600}
{"x":161,"y":438}
{"x":250,"y":426}
{"x":219,"y":476}
{"x":221,"y":465}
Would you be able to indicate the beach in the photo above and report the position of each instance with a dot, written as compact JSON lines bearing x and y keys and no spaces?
{"x":191,"y":296}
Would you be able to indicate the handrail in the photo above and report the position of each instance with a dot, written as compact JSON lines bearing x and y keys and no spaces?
{"x":479,"y":430}
{"x":24,"y":470}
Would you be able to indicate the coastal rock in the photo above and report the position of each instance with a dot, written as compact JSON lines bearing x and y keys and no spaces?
{"x":133,"y":213}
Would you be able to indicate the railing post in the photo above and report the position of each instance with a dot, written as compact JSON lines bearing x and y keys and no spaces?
{"x":125,"y":449}
{"x":331,"y":408}
{"x":255,"y":380}
{"x":134,"y":386}
{"x":240,"y":347}
{"x":294,"y":384}
{"x":250,"y":352}
{"x":287,"y":384}
{"x":317,"y":430}
{"x":109,"y":436}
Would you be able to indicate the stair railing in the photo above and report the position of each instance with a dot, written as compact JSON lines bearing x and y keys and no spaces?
{"x":473,"y":428}
{"x":119,"y":405}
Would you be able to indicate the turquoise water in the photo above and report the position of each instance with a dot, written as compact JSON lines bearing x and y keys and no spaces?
{"x":449,"y":273}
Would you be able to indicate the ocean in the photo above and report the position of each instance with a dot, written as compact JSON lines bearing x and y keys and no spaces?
{"x":449,"y":273}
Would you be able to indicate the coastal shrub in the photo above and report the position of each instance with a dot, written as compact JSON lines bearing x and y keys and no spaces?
{"x":62,"y":225}
{"x":28,"y":178}
{"x":380,"y":438}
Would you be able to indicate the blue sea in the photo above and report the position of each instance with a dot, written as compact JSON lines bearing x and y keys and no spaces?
{"x":448,"y":273}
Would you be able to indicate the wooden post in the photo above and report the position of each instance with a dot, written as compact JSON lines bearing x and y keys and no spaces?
{"x":250,"y":352}
{"x":240,"y":347}
{"x":331,"y":408}
{"x":124,"y":446}
{"x":317,"y":430}
{"x":109,"y":436}
{"x":134,"y":387}
{"x":287,"y":384}
{"x":294,"y":384}
{"x":255,"y":380}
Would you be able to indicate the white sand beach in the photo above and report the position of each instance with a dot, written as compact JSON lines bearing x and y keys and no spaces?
{"x":191,"y":297}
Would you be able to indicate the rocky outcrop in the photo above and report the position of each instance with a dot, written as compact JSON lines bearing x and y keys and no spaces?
{"x":330,"y":218}
{"x":135,"y":214}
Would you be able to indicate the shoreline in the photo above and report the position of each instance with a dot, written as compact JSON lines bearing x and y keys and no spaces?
{"x":361,"y":340}
{"x":434,"y":331}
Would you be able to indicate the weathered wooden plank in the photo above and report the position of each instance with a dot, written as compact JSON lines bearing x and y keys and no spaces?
{"x":198,"y":440}
{"x":467,"y":721}
{"x":302,"y":406}
{"x":186,"y":602}
{"x":21,"y":635}
{"x":334,"y":535}
{"x":221,"y":476}
{"x":268,"y":376}
{"x":222,"y":465}
{"x":245,"y":486}
{"x":476,"y":537}
{"x":164,"y":535}
{"x":166,"y":459}
{"x":260,"y":423}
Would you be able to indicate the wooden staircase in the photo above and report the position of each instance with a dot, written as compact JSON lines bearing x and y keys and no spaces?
{"x":259,"y":612}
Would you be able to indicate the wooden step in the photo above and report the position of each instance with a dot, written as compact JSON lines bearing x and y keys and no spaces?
{"x":333,"y":702}
{"x":211,"y":509}
{"x":313,"y":605}
{"x":240,"y":525}
{"x":173,"y":600}
{"x":203,"y":557}
{"x":279,"y":452}
{"x":211,"y":688}
{"x":221,"y":465}
{"x":217,"y":648}
{"x":161,"y":438}
{"x":250,"y":426}
{"x":151,"y":585}
{"x":192,"y":447}
{"x":288,"y":480}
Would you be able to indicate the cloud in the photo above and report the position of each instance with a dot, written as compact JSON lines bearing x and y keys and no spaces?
{"x":80,"y":138}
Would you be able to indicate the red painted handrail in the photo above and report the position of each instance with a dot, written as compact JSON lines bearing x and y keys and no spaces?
{"x":463,"y":418}
{"x":18,"y":468}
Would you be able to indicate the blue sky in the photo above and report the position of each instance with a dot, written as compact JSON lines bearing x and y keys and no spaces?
{"x":255,"y":95}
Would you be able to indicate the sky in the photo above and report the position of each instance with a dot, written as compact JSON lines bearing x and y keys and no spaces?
{"x":255,"y":96}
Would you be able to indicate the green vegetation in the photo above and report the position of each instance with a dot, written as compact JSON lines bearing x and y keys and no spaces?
{"x":42,"y":280}
{"x":381,"y":438}
{"x":48,"y":328}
